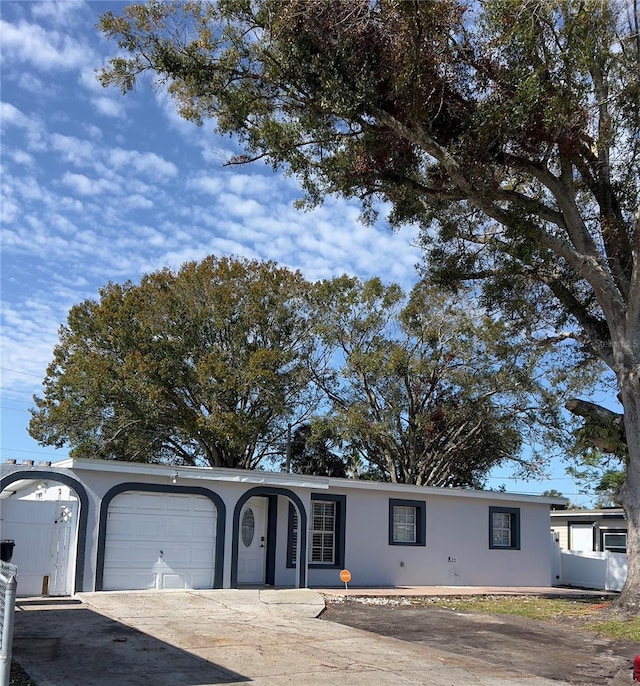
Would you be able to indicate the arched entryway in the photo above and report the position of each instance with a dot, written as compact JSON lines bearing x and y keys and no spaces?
{"x":80,"y":530}
{"x":254,"y":518}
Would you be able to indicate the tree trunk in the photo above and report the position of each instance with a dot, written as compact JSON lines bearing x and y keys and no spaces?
{"x":603,"y":428}
{"x":629,"y":497}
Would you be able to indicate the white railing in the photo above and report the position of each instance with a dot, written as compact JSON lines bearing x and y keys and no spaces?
{"x":8,"y":583}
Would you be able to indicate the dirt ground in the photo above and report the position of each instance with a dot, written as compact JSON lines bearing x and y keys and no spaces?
{"x":565,"y":653}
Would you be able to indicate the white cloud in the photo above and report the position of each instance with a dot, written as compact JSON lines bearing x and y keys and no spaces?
{"x":46,"y":50}
{"x":21,"y":157}
{"x":80,"y":153}
{"x":57,"y":12}
{"x":9,"y":210}
{"x":84,"y":185}
{"x":138,"y":202}
{"x":205,"y":184}
{"x":147,"y":163}
{"x":109,"y":107}
{"x":29,"y":333}
{"x":33,"y":84}
{"x":10,"y":114}
{"x":251,"y":184}
{"x":88,"y":80}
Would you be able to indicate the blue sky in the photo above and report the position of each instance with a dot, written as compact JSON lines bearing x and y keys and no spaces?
{"x":98,"y":187}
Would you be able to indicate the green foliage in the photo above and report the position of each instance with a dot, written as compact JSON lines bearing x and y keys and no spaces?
{"x":314,"y":449}
{"x":202,"y":366}
{"x":430,"y":390}
{"x":509,"y":130}
{"x":609,"y":486}
{"x":213,"y":364}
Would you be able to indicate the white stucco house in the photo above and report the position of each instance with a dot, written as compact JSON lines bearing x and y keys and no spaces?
{"x":104,"y":525}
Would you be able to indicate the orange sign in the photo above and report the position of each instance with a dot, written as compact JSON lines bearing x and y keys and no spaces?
{"x":345,"y":576}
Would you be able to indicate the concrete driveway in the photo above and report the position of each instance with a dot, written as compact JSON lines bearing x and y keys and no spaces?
{"x":198,"y":638}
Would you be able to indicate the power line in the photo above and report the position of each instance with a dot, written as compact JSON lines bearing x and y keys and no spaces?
{"x":6,"y":408}
{"x":18,"y":371}
{"x":17,"y":400}
{"x":33,"y":452}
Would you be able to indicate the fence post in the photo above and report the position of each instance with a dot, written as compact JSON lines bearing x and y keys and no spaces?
{"x":8,"y":584}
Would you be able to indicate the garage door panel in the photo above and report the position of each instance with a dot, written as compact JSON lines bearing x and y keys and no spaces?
{"x":176,"y":528}
{"x":120,"y":526}
{"x":120,"y":556}
{"x":201,"y":505}
{"x":139,"y":581}
{"x":179,"y":504}
{"x":159,"y":540}
{"x":200,"y":555}
{"x":203,"y":530}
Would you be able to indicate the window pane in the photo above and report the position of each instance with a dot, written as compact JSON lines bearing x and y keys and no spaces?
{"x":404,"y":524}
{"x":615,"y":542}
{"x":248,"y":527}
{"x":501,"y":529}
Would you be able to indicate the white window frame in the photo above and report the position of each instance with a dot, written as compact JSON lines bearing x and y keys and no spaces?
{"x":504,"y":528}
{"x":326,"y":539}
{"x":322,"y":532}
{"x":405,"y":524}
{"x":613,"y":548}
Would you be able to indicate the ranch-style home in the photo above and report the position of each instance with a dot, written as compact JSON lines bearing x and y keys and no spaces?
{"x":93,"y":525}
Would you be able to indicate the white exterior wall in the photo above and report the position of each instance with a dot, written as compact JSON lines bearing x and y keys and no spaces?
{"x":457,"y":526}
{"x":43,"y":490}
{"x":457,"y":549}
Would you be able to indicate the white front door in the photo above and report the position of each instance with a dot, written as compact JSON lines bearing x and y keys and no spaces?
{"x":252,"y":545}
{"x":64,"y":526}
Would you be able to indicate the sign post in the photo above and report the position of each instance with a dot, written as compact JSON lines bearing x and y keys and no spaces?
{"x":345,"y":575}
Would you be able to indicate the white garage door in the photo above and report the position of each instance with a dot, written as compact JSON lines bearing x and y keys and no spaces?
{"x":159,"y":540}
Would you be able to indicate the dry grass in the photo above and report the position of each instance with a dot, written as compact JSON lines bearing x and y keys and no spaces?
{"x":592,"y":613}
{"x":19,"y":677}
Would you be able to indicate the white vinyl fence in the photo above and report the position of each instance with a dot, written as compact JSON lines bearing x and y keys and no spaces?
{"x":604,"y":571}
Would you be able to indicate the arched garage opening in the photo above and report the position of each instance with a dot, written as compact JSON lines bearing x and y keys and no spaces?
{"x":48,"y":544}
{"x":244,"y":539}
{"x":154,"y":536}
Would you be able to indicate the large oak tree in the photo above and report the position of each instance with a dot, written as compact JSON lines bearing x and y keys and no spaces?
{"x":508,"y":129}
{"x":204,"y":366}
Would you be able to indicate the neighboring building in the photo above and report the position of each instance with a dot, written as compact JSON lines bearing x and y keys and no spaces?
{"x":38,"y":490}
{"x":590,"y":530}
{"x":127,"y":526}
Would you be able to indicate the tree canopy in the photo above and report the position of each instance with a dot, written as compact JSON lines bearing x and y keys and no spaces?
{"x":315,"y":449}
{"x":204,"y":366}
{"x":428,"y":389}
{"x":216,"y":363}
{"x":508,"y":130}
